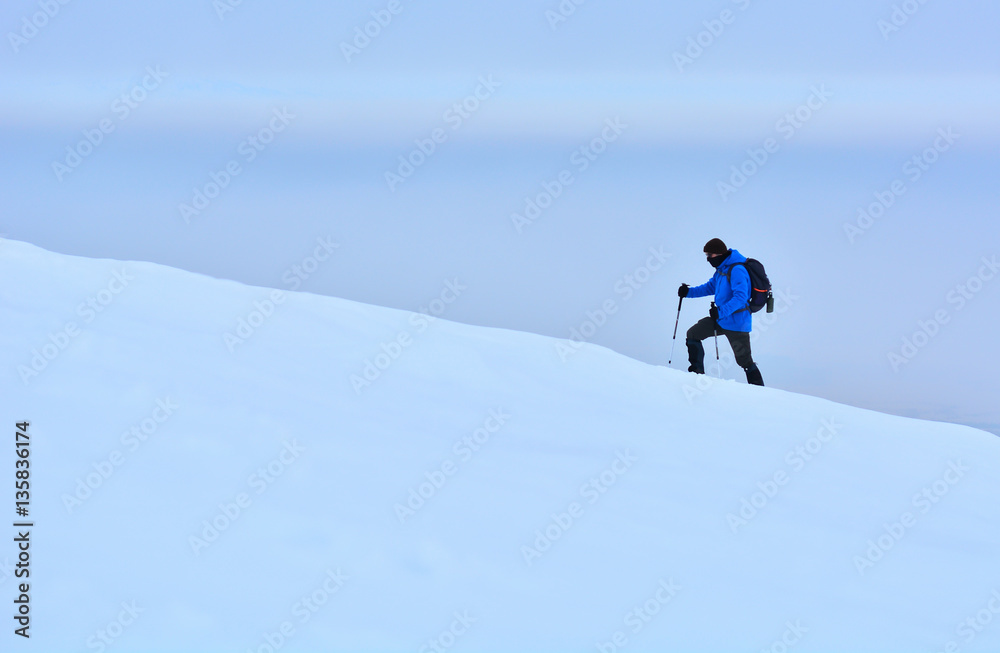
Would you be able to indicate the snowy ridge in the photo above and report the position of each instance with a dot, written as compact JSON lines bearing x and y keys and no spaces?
{"x":196,"y":493}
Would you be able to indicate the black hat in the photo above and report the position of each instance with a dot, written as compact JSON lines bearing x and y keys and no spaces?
{"x":716,"y":246}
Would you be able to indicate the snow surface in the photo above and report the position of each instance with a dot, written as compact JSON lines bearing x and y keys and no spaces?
{"x":322,"y":549}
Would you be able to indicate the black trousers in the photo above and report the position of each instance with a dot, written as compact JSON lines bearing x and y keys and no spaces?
{"x":738,"y":340}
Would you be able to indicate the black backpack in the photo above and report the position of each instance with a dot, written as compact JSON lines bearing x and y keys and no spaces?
{"x":760,"y":286}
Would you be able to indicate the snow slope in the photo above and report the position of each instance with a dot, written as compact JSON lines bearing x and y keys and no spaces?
{"x":586,"y":504}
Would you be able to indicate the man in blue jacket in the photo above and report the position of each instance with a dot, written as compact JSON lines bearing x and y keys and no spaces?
{"x":731,"y":314}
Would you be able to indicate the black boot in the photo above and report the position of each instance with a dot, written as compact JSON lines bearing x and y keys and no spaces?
{"x":753,"y":375}
{"x":696,"y":354}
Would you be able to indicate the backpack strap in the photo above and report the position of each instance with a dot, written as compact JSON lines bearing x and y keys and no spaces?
{"x":729,"y":273}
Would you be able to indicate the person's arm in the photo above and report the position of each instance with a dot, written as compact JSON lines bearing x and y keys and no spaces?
{"x":703,"y":290}
{"x":739,"y":280}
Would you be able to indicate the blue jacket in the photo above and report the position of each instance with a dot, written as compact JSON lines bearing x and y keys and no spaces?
{"x":731,"y":286}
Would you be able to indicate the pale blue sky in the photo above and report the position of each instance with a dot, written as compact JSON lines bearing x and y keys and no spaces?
{"x":657,"y":185}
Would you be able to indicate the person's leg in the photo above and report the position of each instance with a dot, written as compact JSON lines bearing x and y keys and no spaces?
{"x":703,"y":328}
{"x":740,"y":342}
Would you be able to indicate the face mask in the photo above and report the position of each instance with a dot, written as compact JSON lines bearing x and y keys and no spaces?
{"x":715,"y":261}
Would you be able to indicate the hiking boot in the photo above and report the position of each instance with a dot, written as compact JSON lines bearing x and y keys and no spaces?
{"x":753,"y":375}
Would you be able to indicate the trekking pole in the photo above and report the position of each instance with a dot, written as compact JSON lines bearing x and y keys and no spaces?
{"x":676,"y":322}
{"x":715,"y":332}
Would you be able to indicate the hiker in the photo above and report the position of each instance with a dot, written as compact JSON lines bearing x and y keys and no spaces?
{"x":730,"y":315}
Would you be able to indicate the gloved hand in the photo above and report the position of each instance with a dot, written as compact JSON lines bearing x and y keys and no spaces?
{"x":683,"y":290}
{"x":713,"y":312}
